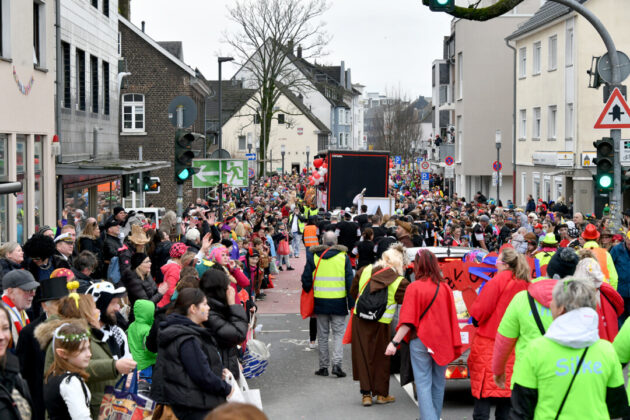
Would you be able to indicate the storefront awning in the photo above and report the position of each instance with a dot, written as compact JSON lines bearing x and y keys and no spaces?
{"x":109,"y":167}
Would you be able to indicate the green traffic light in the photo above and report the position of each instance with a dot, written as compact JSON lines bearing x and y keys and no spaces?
{"x":442,"y":2}
{"x":605,"y":181}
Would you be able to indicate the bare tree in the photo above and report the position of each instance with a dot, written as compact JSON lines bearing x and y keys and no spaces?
{"x":474,"y":12}
{"x":396,"y":126}
{"x":268,"y":31}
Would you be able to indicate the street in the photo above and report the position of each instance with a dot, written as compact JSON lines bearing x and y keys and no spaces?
{"x":290,"y":390}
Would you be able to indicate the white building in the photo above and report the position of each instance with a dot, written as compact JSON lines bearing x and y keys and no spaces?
{"x":27,"y":119}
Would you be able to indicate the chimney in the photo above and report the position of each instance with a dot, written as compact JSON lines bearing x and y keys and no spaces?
{"x":143,"y":26}
{"x":299,"y":51}
{"x":290,"y":46}
{"x":348,"y":79}
{"x":342,"y":74}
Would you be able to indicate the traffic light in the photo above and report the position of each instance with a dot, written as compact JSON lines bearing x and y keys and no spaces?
{"x":605,"y":175}
{"x":442,"y":5}
{"x":150,"y":184}
{"x":129,"y":183}
{"x":184,"y":155}
{"x":625,"y":180}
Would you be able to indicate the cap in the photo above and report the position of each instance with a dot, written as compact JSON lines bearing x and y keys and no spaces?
{"x":226,"y":228}
{"x":484,"y":218}
{"x":111,"y":222}
{"x":177,"y":250}
{"x":104,"y":287}
{"x":137,"y":259}
{"x":532,"y":215}
{"x":590,"y":232}
{"x":549,"y":239}
{"x":44,"y":228}
{"x":538,"y":226}
{"x":118,"y":210}
{"x":21,"y":279}
{"x":64,"y":237}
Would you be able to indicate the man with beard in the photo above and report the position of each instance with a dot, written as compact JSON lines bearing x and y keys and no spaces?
{"x":107,"y":299}
{"x":19,"y":290}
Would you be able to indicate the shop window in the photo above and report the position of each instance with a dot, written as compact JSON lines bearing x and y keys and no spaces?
{"x":21,"y":196}
{"x":37,"y":198}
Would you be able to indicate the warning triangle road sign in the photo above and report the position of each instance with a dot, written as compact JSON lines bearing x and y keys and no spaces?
{"x":616,"y":113}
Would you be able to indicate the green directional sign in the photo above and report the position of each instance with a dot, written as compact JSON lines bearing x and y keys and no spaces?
{"x":214,"y":171}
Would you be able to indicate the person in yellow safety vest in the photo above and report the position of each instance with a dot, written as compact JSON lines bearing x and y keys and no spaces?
{"x":589,"y":241}
{"x":310,"y":211}
{"x":329,"y":272}
{"x":548,"y":247}
{"x":311,"y":233}
{"x":370,"y":365}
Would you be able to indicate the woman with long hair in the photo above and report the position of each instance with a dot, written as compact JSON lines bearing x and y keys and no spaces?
{"x":188,"y":374}
{"x":15,"y":402}
{"x":11,"y":257}
{"x":428,"y":322}
{"x":513,"y":274}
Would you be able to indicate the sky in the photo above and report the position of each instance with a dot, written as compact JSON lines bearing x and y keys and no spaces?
{"x":388,"y":44}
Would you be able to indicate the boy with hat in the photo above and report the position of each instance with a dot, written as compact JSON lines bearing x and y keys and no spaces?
{"x":19,"y":290}
{"x":589,"y":241}
{"x":548,"y":247}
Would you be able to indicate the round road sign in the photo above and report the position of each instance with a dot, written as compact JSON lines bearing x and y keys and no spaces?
{"x":251,"y":172}
{"x":449,"y":160}
{"x":425,"y":192}
{"x":425,"y":165}
{"x":497,"y":166}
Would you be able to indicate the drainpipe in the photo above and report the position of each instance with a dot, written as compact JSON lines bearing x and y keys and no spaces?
{"x":58,"y":95}
{"x":513,"y":125}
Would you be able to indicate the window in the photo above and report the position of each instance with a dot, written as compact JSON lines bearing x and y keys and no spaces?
{"x":242,"y":143}
{"x":37,"y":165}
{"x":95,"y":3}
{"x":133,"y":113}
{"x":106,"y":7}
{"x":537,"y":54}
{"x":37,"y":41}
{"x":460,"y":137}
{"x":80,"y":66}
{"x":106,"y":88}
{"x":569,"y":47}
{"x":536,"y":185}
{"x":523,"y":124}
{"x":342,"y":114}
{"x":119,"y":43}
{"x":523,"y":187}
{"x":256,"y":118}
{"x":536,"y":125}
{"x":21,"y":196}
{"x":280,"y":118}
{"x":522,"y":62}
{"x":568,"y":128}
{"x":340,"y":139}
{"x":553,"y":53}
{"x":65,"y":57}
{"x":348,"y":117}
{"x":94,"y":81}
{"x":460,"y":75}
{"x":551,"y":124}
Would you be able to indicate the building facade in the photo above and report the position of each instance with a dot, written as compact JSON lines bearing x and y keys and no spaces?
{"x":556,"y":110}
{"x":27,"y":119}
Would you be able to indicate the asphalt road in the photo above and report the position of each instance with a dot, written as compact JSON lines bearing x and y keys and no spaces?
{"x":289,"y":388}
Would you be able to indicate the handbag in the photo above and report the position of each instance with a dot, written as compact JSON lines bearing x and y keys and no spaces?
{"x":242,"y":392}
{"x":122,"y":403}
{"x":283,"y":247}
{"x":307,"y":299}
{"x":256,"y":358}
{"x":273,"y":267}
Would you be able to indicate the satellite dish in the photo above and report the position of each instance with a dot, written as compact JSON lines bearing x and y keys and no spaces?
{"x":220,"y":154}
{"x":188,"y":112}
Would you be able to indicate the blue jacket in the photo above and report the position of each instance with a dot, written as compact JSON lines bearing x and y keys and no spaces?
{"x":621,"y":257}
{"x":328,"y":306}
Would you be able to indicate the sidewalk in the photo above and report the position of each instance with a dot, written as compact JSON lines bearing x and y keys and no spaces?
{"x":284,"y":298}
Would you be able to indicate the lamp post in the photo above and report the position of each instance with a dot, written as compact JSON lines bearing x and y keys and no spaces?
{"x":308,"y":152}
{"x":497,"y":140}
{"x":249,"y":180}
{"x":282,"y":152}
{"x":221,"y":60}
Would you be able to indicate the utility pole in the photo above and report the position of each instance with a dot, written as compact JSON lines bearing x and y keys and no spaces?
{"x":221,"y":60}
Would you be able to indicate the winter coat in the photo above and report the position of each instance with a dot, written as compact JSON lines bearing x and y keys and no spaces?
{"x":95,"y":246}
{"x":546,"y":368}
{"x":102,"y":367}
{"x":111,"y":245}
{"x":144,"y":312}
{"x":171,"y":272}
{"x":32,"y":358}
{"x":182,"y":346}
{"x":11,"y":380}
{"x":159,"y":258}
{"x":228,"y":325}
{"x":140,"y":288}
{"x":621,"y":257}
{"x":328,"y":306}
{"x":7,"y":265}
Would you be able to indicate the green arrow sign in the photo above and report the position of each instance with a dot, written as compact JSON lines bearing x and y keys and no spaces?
{"x":214,"y":171}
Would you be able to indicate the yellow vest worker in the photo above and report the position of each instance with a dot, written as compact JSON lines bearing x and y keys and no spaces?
{"x":391,"y":295}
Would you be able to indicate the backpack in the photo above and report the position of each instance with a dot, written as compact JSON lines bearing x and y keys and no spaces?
{"x":113,"y":271}
{"x":371,"y":306}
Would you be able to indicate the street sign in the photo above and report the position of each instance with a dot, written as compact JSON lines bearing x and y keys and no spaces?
{"x":250,"y":172}
{"x":397,"y":160}
{"x":449,"y":172}
{"x":425,"y":166}
{"x":425,"y":192}
{"x":624,"y":156}
{"x":587,"y":159}
{"x":250,"y":156}
{"x":449,"y":160}
{"x":616,"y":113}
{"x":604,"y":67}
{"x":418,"y":160}
{"x":300,"y":131}
{"x":214,"y":171}
{"x":424,"y":176}
{"x":182,"y":112}
{"x":497,"y":166}
{"x":494,"y":179}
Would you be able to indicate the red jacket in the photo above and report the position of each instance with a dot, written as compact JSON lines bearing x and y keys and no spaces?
{"x":439,"y":329}
{"x":171,"y":272}
{"x":609,"y":309}
{"x":490,"y":305}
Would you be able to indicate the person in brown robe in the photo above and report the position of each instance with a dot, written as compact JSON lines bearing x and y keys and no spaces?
{"x":370,"y":366}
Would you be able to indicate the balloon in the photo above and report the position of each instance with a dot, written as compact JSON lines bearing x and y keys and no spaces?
{"x":323,"y":171}
{"x":325,"y":165}
{"x":316,"y":175}
{"x":311,"y":182}
{"x":318,"y":162}
{"x":321,"y":180}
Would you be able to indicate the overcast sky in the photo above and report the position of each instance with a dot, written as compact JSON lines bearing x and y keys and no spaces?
{"x":388,"y":44}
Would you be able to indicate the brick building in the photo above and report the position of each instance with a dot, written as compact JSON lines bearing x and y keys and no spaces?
{"x":158,"y":75}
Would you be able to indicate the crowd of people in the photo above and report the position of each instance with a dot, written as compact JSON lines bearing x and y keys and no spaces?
{"x":89,"y":301}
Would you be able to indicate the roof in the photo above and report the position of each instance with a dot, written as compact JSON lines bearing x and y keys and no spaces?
{"x":174,"y":47}
{"x":109,"y":167}
{"x":548,"y":12}
{"x":156,"y":45}
{"x":233,"y":97}
{"x":304,"y":109}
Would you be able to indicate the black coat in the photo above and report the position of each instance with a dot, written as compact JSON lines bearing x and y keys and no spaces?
{"x":138,"y":288}
{"x":7,"y":265}
{"x":159,"y":258}
{"x":32,"y":359}
{"x":111,"y":245}
{"x":95,"y":246}
{"x":10,"y":379}
{"x":228,"y":325}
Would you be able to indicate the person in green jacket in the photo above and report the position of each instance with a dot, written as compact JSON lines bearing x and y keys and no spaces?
{"x":144,"y":312}
{"x":570,"y":373}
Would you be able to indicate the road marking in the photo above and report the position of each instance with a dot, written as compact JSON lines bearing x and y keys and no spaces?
{"x":275,"y":331}
{"x":295,"y":341}
{"x":408,"y":389}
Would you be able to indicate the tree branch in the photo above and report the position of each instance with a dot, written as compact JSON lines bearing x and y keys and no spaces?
{"x":484,"y":13}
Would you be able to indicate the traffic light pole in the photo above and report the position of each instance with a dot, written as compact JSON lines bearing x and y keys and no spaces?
{"x":616,"y":201}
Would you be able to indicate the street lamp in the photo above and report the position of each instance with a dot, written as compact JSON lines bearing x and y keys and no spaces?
{"x":282,"y":152}
{"x":221,"y":60}
{"x":497,"y":139}
{"x":249,"y":180}
{"x":308,"y":152}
